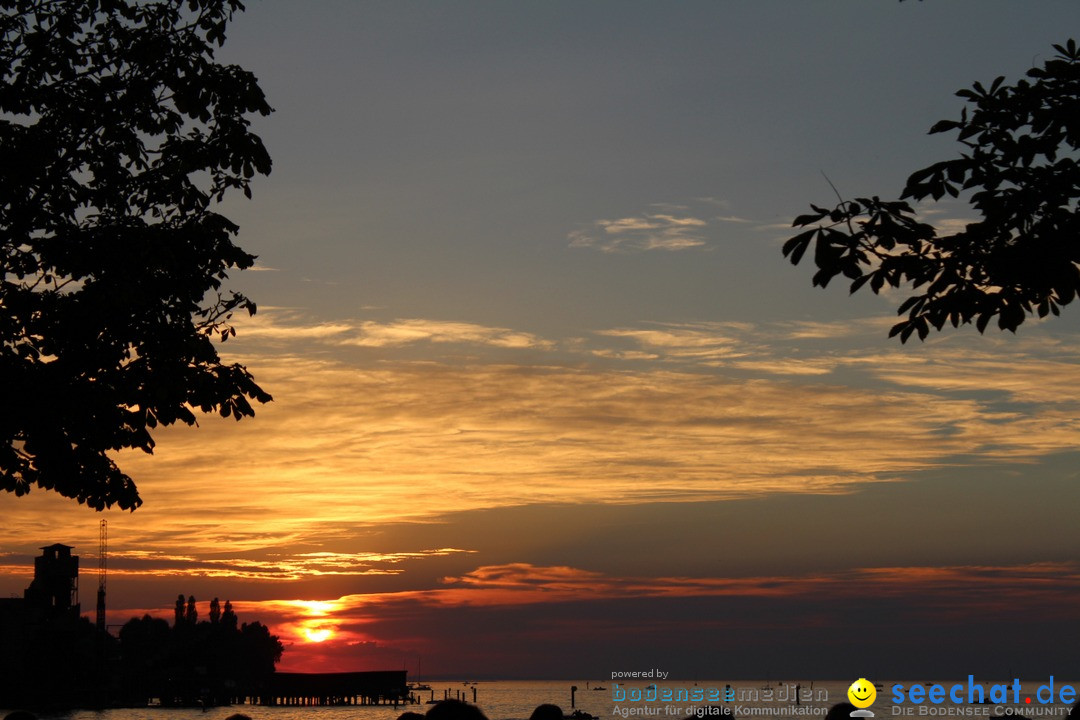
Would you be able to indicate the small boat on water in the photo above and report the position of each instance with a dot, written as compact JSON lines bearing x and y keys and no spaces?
{"x":419,"y":684}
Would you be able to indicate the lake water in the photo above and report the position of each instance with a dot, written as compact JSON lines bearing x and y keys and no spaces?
{"x":515,"y":700}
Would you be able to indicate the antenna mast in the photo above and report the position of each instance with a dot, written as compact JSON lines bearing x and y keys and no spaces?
{"x":103,"y":543}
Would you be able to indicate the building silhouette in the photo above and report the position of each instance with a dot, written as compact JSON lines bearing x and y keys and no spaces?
{"x":53,"y":659}
{"x":55,"y":587}
{"x":51,"y":654}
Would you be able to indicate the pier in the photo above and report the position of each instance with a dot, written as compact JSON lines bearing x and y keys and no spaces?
{"x":387,"y":687}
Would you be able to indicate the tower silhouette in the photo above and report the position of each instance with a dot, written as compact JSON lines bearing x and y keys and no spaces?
{"x":56,"y":580}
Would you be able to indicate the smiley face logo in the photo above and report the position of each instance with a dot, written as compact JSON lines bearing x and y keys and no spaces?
{"x":862,"y":693}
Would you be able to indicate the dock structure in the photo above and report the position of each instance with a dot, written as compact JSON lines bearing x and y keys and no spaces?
{"x":386,"y":687}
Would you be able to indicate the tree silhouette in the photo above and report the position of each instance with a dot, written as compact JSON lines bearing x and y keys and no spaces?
{"x":194,"y":662}
{"x":228,"y":617}
{"x":192,"y":615}
{"x":147,"y":655}
{"x":118,"y":132}
{"x":1021,"y":258}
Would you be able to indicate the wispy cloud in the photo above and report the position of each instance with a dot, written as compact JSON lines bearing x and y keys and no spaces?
{"x":948,"y":216}
{"x":283,"y":325}
{"x":346,"y":444}
{"x":642,"y":233}
{"x":362,"y":434}
{"x":700,"y":411}
{"x":275,"y":326}
{"x":525,"y":583}
{"x":359,"y":625}
{"x":701,"y":342}
{"x":404,"y":332}
{"x":875,"y":327}
{"x":254,"y":565}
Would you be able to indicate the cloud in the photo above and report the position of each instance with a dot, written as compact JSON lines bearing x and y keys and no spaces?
{"x":787,"y":366}
{"x":252,"y":565}
{"x":361,"y":628}
{"x":625,"y":354}
{"x":707,"y":411}
{"x":525,"y":583}
{"x":283,"y":325}
{"x":947,"y":216}
{"x":820,"y":330}
{"x":274,"y":326}
{"x":289,"y":505}
{"x":705,"y":343}
{"x":272,"y":566}
{"x":349,"y":444}
{"x":641,"y":233}
{"x":404,"y":332}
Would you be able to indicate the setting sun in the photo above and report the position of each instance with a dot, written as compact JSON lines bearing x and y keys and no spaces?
{"x":317,"y":634}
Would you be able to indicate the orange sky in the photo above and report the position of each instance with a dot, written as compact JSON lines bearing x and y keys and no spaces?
{"x":371,"y":533}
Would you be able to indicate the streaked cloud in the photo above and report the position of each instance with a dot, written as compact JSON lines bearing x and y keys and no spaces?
{"x":874,"y":327}
{"x":658,"y":231}
{"x":947,"y":215}
{"x":625,"y":354}
{"x":1046,"y":380}
{"x":273,"y":325}
{"x":706,"y":343}
{"x":521,"y":582}
{"x":288,"y":504}
{"x":348,"y":444}
{"x":258,"y":566}
{"x":283,"y":325}
{"x":368,"y":625}
{"x":404,"y":332}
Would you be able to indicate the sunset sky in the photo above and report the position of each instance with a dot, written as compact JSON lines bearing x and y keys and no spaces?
{"x":548,"y":400}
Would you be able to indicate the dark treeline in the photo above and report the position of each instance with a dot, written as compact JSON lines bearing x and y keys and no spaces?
{"x":215,"y":661}
{"x":61,"y":660}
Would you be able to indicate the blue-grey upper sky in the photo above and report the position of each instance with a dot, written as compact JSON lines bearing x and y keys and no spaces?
{"x":440,"y":159}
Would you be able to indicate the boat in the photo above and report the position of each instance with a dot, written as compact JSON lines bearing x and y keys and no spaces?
{"x":418,"y":685}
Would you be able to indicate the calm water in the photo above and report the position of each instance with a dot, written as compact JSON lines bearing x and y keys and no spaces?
{"x":515,"y":700}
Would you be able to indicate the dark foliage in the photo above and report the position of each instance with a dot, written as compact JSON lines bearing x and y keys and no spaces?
{"x":52,"y":661}
{"x":1019,"y":171}
{"x":118,"y":132}
{"x":195,"y":662}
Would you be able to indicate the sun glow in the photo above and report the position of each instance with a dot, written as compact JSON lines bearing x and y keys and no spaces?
{"x":317,"y":634}
{"x":315,"y":608}
{"x":317,"y":625}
